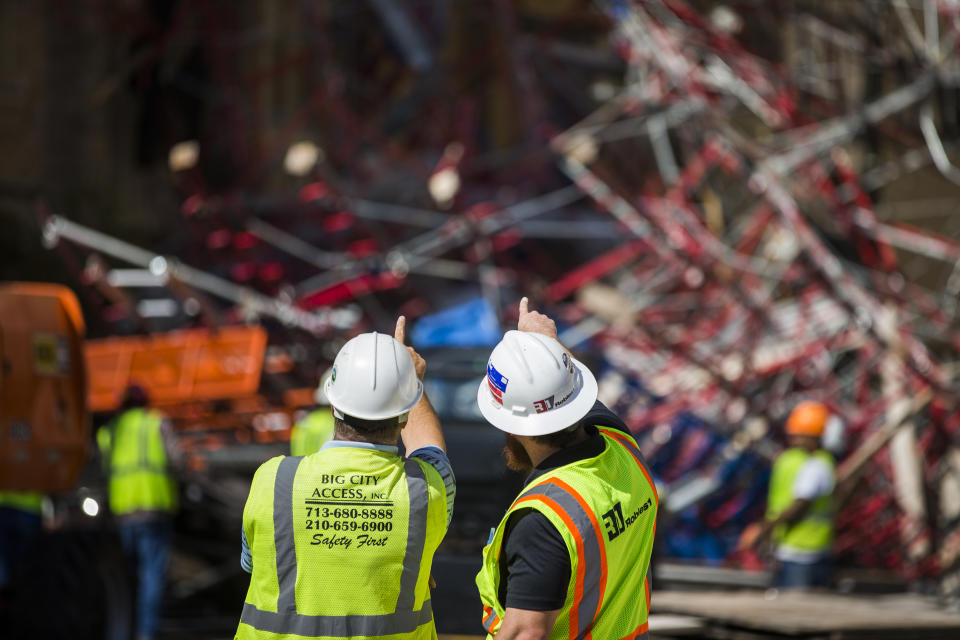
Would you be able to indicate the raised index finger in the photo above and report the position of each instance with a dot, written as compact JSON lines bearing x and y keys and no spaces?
{"x":524,"y":303}
{"x":399,"y":332}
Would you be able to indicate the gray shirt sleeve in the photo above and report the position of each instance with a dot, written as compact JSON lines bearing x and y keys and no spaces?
{"x":436,"y":458}
{"x":246,"y":558}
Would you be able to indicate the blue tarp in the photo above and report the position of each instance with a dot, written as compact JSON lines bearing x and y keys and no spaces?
{"x":471,"y":324}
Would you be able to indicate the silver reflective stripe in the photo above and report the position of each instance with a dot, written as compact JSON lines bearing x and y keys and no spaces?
{"x":142,"y":436}
{"x":625,"y":441}
{"x":591,"y":562}
{"x":143,"y":439}
{"x":416,"y":534}
{"x":336,"y":626}
{"x":489,"y":620}
{"x":287,"y":621}
{"x":283,"y":534}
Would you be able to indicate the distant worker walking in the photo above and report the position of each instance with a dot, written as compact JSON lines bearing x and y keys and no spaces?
{"x":340,"y":542}
{"x":570,"y":557}
{"x":316,"y":428}
{"x":21,"y":520}
{"x":800,"y":506}
{"x":138,"y":449}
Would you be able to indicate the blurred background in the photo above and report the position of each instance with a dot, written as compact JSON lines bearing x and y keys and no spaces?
{"x":729,"y":207}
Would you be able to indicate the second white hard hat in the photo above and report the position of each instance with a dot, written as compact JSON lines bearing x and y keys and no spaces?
{"x":373,"y":378}
{"x":533,"y":387}
{"x":320,"y":394}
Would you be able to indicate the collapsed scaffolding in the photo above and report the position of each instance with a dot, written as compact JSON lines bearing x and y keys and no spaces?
{"x":749,"y":266}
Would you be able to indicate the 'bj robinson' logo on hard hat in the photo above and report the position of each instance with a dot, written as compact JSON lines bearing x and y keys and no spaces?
{"x":333,"y":375}
{"x":551,"y":403}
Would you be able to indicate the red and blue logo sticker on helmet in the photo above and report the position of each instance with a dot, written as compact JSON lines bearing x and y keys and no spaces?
{"x":497,"y":382}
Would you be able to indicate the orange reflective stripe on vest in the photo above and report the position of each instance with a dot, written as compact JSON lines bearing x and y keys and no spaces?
{"x":490,"y":619}
{"x":638,"y":633}
{"x":607,"y":597}
{"x":591,"y":558}
{"x":596,"y":530}
{"x":622,"y":439}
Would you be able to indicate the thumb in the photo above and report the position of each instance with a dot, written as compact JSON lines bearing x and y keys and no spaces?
{"x":524,"y":304}
{"x":400,"y":331}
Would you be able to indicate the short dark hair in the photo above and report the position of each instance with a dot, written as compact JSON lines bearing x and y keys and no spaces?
{"x":134,"y":397}
{"x":351,"y":425}
{"x":559,"y":439}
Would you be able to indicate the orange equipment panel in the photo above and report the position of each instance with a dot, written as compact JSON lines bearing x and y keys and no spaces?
{"x":44,"y":426}
{"x":182,"y":366}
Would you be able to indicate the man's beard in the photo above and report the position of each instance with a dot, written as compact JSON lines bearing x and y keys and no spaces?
{"x":516,"y":456}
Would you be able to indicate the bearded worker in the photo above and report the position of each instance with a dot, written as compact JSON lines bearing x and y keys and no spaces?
{"x":570,"y":557}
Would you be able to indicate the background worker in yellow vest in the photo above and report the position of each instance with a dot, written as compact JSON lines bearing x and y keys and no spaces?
{"x":21,"y":520}
{"x":138,"y":449}
{"x":571,"y":555}
{"x":315,"y":428}
{"x":340,"y":542}
{"x":800,"y":506}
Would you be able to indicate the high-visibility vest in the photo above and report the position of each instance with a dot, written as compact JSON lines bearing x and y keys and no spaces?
{"x":605,"y":509}
{"x":136,"y":463}
{"x":814,"y":531}
{"x":342,"y":543}
{"x":311,"y":433}
{"x":29,"y":501}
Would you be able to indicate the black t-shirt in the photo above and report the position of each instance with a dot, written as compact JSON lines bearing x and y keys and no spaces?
{"x":535,"y":565}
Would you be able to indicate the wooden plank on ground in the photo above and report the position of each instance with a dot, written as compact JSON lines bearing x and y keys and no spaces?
{"x":807,"y":615}
{"x":672,"y":626}
{"x":660,"y":625}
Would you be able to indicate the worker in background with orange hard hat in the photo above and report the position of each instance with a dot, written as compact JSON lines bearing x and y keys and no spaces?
{"x":800,"y":505}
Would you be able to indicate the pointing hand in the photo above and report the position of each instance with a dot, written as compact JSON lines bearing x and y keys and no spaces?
{"x":419,"y":364}
{"x":534,"y":321}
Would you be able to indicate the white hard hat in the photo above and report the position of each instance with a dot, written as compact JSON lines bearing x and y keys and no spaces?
{"x":373,"y":379}
{"x":320,"y":395}
{"x":533,"y":387}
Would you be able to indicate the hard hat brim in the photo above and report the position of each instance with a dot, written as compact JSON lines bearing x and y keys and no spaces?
{"x":320,"y":393}
{"x":363,"y":415}
{"x":540,"y":424}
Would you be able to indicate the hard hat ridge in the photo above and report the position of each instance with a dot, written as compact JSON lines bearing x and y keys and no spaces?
{"x":517,"y":354}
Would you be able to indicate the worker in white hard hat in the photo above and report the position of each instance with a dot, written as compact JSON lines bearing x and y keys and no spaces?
{"x":340,"y":542}
{"x":570,"y":557}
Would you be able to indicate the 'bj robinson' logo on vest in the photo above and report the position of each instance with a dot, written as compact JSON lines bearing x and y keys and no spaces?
{"x":616,"y":524}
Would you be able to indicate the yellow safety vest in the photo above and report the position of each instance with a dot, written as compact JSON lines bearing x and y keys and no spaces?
{"x":311,"y":433}
{"x":605,"y":509}
{"x":136,"y":463}
{"x":342,"y":543}
{"x":28,"y":501}
{"x":813,"y":533}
